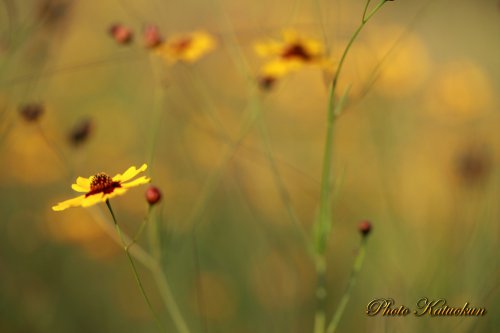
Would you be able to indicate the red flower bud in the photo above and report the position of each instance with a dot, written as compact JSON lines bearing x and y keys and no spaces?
{"x":153,"y":195}
{"x":152,"y":37}
{"x":121,"y":34}
{"x":365,"y":227}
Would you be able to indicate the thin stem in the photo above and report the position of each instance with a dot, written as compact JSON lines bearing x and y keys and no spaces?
{"x":323,"y":223}
{"x":320,"y":317}
{"x":358,"y":263}
{"x":149,"y":262}
{"x":134,"y":269}
{"x":366,"y":9}
{"x":280,"y":184}
{"x":140,"y":229}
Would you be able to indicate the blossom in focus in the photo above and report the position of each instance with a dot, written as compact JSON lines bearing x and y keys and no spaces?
{"x":101,"y":187}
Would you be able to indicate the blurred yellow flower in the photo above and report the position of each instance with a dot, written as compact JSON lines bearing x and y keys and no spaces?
{"x":186,"y":48}
{"x":290,"y":54}
{"x":460,"y":89}
{"x":101,"y":187}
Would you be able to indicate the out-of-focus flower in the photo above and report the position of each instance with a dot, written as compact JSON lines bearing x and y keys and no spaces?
{"x":404,"y":63}
{"x":80,"y":133}
{"x":101,"y":187}
{"x":121,"y":34}
{"x":153,"y":195}
{"x":152,"y":36}
{"x":461,"y":90}
{"x":290,"y":54}
{"x":31,"y":112}
{"x":186,"y":48}
{"x":474,"y":165}
{"x":54,"y":13}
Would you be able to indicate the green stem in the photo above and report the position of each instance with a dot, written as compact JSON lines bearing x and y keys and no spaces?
{"x":358,"y":263}
{"x":134,"y":268}
{"x":320,"y":317}
{"x":323,"y":223}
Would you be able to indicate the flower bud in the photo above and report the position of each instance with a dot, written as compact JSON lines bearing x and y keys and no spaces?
{"x":121,"y":34}
{"x":81,"y":131}
{"x":152,"y":37}
{"x":153,"y":195}
{"x":365,"y":227}
{"x":31,"y":112}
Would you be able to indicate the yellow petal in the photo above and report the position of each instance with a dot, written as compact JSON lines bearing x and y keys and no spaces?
{"x":279,"y":68}
{"x":268,"y":49}
{"x":75,"y":202}
{"x":92,"y":200}
{"x":79,"y":188}
{"x":84,"y":182}
{"x":130,"y":173}
{"x":116,"y":192}
{"x":139,"y":181}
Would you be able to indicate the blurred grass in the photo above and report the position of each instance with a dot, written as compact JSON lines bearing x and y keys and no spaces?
{"x":420,"y":153}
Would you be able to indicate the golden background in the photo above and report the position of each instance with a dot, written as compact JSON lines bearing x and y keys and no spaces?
{"x":416,"y":153}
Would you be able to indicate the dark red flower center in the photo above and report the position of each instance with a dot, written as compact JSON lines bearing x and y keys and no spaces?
{"x":102,"y":183}
{"x":181,"y":45}
{"x":296,"y":51}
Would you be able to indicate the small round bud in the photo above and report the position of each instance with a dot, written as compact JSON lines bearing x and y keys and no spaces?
{"x":31,"y":112}
{"x":121,"y":34}
{"x":267,"y":82}
{"x":153,"y":195}
{"x":152,"y":37}
{"x":365,"y":227}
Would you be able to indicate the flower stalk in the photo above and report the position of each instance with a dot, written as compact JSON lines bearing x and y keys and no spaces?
{"x":134,"y":268}
{"x":322,"y":225}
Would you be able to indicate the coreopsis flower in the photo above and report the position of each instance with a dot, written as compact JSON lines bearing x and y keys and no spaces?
{"x":101,"y":187}
{"x":186,"y":48}
{"x":290,"y":54}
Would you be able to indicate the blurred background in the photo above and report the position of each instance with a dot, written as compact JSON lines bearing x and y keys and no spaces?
{"x":416,"y":152}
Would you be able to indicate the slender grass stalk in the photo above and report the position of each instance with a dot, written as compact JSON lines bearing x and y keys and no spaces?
{"x":323,"y":222}
{"x":358,"y":263}
{"x":280,"y":184}
{"x":134,"y":269}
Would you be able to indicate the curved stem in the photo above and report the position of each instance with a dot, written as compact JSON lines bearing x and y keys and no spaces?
{"x":322,"y":225}
{"x":134,"y":268}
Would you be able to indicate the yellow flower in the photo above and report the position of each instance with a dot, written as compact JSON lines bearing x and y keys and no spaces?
{"x":101,"y":187}
{"x":290,"y":54}
{"x":187,"y":48}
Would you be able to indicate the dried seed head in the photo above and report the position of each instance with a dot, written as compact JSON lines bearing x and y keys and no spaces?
{"x":152,"y":37}
{"x":153,"y":195}
{"x":365,"y":227}
{"x":31,"y":112}
{"x":121,"y":34}
{"x":80,"y":133}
